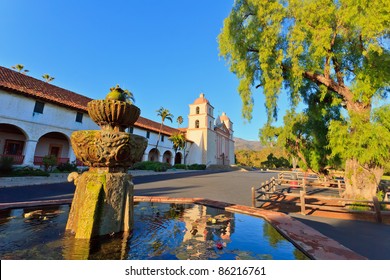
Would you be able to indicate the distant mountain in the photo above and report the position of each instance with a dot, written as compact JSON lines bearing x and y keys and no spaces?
{"x":242,"y":144}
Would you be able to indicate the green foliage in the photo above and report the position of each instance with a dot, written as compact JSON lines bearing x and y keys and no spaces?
{"x":164,"y":114}
{"x":117,"y":93}
{"x":6,"y":165}
{"x":359,"y":207}
{"x":368,"y":141}
{"x":20,"y":68}
{"x":196,"y":166}
{"x":49,"y":161}
{"x":180,"y":166}
{"x":29,"y":171}
{"x":178,"y":140}
{"x":152,"y":165}
{"x":304,"y":135}
{"x":256,"y":158}
{"x":328,"y":54}
{"x":179,"y":120}
{"x":67,"y":167}
{"x":275,"y":162}
{"x":47,"y":78}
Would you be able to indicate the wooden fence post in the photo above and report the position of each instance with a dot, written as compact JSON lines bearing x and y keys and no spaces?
{"x":273,"y":184}
{"x":377,"y":208}
{"x":253,"y":197}
{"x":339,"y":186}
{"x":262,"y":189}
{"x":302,"y":199}
{"x":304,"y":184}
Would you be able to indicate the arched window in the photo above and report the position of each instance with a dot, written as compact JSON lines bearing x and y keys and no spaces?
{"x":197,"y":124}
{"x":197,"y":110}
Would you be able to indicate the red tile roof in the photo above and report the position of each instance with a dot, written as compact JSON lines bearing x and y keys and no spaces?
{"x":19,"y":83}
{"x":155,"y":126}
{"x":31,"y":87}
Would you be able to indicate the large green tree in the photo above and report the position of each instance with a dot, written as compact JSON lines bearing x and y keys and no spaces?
{"x":337,"y":48}
{"x":304,"y":135}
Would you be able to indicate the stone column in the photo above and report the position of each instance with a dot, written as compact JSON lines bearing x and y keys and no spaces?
{"x":71,"y":155}
{"x":145,"y":157}
{"x":29,"y":152}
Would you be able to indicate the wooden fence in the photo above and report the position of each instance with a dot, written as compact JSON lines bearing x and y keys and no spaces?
{"x":300,"y":190}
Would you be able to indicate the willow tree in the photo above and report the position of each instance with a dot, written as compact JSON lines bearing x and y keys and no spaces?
{"x":304,"y":136}
{"x":338,"y":48}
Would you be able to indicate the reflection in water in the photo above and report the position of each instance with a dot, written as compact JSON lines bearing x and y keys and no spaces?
{"x":161,"y":231}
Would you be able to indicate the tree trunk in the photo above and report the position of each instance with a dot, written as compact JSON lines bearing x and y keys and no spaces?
{"x":159,"y":135}
{"x":361,"y":182}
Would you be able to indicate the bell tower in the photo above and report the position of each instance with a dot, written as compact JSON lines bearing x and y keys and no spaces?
{"x":201,"y":114}
{"x":201,"y":130}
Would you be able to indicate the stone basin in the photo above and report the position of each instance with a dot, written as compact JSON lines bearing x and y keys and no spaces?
{"x":100,"y":148}
{"x":112,"y":114}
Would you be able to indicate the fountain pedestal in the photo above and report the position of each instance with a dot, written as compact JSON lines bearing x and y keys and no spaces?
{"x":103,"y":200}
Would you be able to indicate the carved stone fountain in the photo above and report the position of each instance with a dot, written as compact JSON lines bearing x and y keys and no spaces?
{"x":103,"y":201}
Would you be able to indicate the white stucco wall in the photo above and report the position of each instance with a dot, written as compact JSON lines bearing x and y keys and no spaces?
{"x":43,"y":147}
{"x":163,"y":146}
{"x":195,"y":154}
{"x":18,"y":110}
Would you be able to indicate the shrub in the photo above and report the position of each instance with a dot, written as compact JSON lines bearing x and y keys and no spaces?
{"x":49,"y":162}
{"x":6,"y":164}
{"x":29,"y":171}
{"x":67,"y":167}
{"x":180,"y":166}
{"x":196,"y":166}
{"x":152,"y":165}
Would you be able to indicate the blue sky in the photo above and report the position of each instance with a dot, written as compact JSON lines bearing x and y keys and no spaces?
{"x":165,"y":52}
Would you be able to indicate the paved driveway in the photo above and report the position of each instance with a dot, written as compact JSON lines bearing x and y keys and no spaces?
{"x":233,"y":187}
{"x":365,"y":238}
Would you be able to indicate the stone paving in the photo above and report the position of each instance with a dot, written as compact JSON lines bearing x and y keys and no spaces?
{"x":63,"y":177}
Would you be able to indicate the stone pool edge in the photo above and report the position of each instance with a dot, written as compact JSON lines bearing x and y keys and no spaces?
{"x":313,"y":243}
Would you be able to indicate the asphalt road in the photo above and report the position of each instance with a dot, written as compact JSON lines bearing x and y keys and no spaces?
{"x":365,"y":238}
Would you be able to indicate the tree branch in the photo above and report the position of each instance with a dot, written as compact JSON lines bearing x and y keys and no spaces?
{"x":250,"y":49}
{"x":332,"y":85}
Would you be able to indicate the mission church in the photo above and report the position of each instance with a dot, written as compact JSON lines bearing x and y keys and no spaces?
{"x":37,"y":119}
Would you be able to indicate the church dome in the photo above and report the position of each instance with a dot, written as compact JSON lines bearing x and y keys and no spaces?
{"x":201,"y":99}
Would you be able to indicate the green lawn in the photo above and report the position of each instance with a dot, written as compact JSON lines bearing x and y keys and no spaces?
{"x":387,"y":178}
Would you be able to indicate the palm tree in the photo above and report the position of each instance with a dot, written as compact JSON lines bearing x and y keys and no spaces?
{"x":47,"y":78}
{"x":179,"y":141}
{"x":164,"y":114}
{"x":179,"y":120}
{"x":20,"y":68}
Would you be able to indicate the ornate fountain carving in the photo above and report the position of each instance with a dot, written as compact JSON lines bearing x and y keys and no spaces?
{"x":103,"y":201}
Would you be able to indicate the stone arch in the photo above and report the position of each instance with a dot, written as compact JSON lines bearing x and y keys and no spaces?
{"x":53,"y":143}
{"x":12,"y":142}
{"x":154,"y":155}
{"x":167,"y":157}
{"x":178,"y":158}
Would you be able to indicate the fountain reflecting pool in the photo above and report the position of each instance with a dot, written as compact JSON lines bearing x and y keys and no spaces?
{"x":161,"y":231}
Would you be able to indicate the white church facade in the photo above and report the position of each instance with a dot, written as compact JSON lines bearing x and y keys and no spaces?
{"x":37,"y":119}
